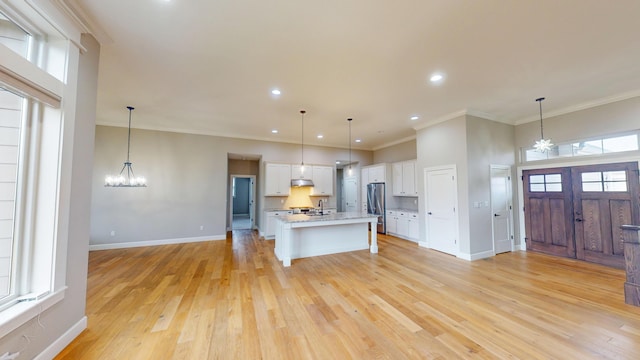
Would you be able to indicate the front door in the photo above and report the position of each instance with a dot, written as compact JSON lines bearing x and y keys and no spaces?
{"x":603,"y":199}
{"x":577,"y":212}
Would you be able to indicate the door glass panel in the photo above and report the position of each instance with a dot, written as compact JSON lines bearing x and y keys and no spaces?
{"x":592,"y":186}
{"x":615,"y":186}
{"x":536,"y":179}
{"x":615,"y":175}
{"x":591,"y":176}
{"x":553,"y":178}
{"x":536,"y":187}
{"x":554,"y":187}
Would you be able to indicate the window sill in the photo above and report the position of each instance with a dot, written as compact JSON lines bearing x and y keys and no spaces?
{"x":20,"y":313}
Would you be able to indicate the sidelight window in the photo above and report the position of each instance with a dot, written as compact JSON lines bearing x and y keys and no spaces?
{"x":545,"y":183}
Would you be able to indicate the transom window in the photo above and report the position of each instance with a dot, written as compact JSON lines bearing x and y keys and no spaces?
{"x":604,"y":181}
{"x":593,"y":147}
{"x":545,"y":183}
{"x":14,"y":37}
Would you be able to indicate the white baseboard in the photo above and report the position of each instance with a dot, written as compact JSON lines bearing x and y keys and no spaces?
{"x":477,"y":256}
{"x":125,"y":245}
{"x":60,"y":343}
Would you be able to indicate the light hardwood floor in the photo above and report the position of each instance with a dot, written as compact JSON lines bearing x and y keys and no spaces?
{"x":232,"y":299}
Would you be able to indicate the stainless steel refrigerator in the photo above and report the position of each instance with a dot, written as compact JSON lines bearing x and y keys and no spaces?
{"x":375,"y":204}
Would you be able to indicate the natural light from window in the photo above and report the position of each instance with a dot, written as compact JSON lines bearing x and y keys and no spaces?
{"x":591,"y":147}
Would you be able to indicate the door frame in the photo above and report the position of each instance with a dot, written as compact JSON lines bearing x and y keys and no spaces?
{"x":427,"y":242}
{"x":510,"y":197}
{"x":252,"y":199}
{"x":553,"y":164}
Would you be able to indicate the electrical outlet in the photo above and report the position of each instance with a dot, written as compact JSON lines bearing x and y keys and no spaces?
{"x":201,"y":227}
{"x":281,"y":201}
{"x":112,"y":233}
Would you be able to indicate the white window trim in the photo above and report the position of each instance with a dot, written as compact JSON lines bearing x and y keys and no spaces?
{"x":25,"y":309}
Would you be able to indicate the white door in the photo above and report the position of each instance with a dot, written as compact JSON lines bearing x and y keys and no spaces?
{"x":350,"y":188}
{"x":501,"y":217}
{"x":441,"y":209}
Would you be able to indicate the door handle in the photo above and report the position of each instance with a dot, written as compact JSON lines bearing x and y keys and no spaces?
{"x":430,"y":213}
{"x":496,"y":215}
{"x":578,"y":220}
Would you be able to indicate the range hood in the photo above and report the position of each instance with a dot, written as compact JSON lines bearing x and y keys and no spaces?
{"x":301,"y":182}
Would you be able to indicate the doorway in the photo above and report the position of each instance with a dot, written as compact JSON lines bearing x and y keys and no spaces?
{"x":243,"y":193}
{"x":347,"y":186}
{"x":576,"y":212}
{"x":502,"y":218}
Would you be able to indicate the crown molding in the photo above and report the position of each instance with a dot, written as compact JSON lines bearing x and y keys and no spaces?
{"x":76,"y":13}
{"x":582,"y":106}
{"x":396,"y":142}
{"x":457,"y":114}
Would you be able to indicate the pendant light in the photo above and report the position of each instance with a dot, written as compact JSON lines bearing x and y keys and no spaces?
{"x":350,"y":171}
{"x":542,"y":145}
{"x":126,"y":178}
{"x":302,"y":112}
{"x":302,"y":182}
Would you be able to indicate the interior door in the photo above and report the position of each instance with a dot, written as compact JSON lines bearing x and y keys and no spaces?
{"x":441,"y":214}
{"x":604,"y":197}
{"x":548,"y":211}
{"x":351,"y":194}
{"x":501,"y":209}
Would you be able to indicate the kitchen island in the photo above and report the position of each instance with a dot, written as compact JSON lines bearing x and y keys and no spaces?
{"x":299,"y":236}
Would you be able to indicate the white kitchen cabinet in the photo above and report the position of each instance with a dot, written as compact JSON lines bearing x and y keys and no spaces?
{"x":377,"y":173}
{"x":271,"y":216}
{"x":402,"y":226}
{"x":404,"y":178}
{"x":302,"y":172}
{"x":392,"y":222}
{"x":414,"y":227}
{"x":322,"y":181}
{"x":277,"y":179}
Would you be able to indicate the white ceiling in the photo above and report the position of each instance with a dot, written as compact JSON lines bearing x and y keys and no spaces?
{"x":209,"y":66}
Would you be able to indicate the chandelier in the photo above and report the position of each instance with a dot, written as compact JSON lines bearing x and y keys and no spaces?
{"x":126,"y":178}
{"x":543,"y":144}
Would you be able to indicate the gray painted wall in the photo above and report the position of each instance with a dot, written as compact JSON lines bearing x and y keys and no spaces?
{"x":399,"y":152}
{"x":187,"y":175}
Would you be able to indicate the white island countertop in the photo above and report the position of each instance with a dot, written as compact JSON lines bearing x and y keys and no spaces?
{"x":299,"y":218}
{"x":300,"y":235}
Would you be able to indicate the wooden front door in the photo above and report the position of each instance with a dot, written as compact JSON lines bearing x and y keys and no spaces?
{"x":604,"y":197}
{"x":577,"y":211}
{"x":548,"y":211}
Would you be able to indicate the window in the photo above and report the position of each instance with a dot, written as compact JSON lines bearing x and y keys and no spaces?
{"x":545,"y":183}
{"x":32,"y":263}
{"x":601,"y":146}
{"x":604,"y":181}
{"x":10,"y":125}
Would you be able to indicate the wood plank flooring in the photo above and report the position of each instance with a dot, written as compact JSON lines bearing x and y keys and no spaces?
{"x":232,"y":299}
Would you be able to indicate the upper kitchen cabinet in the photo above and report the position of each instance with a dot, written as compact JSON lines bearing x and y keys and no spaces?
{"x":322,"y":181}
{"x":302,"y":172}
{"x":277,"y":179}
{"x":376,"y":173}
{"x":404,"y":178}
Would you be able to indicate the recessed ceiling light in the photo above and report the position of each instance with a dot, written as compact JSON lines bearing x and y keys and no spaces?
{"x":415,"y":117}
{"x":320,"y":136}
{"x":274,"y":131}
{"x":275,"y":92}
{"x":436,"y":78}
{"x":358,"y":140}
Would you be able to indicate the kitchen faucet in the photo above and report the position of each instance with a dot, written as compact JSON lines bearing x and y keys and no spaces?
{"x":321,"y":205}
